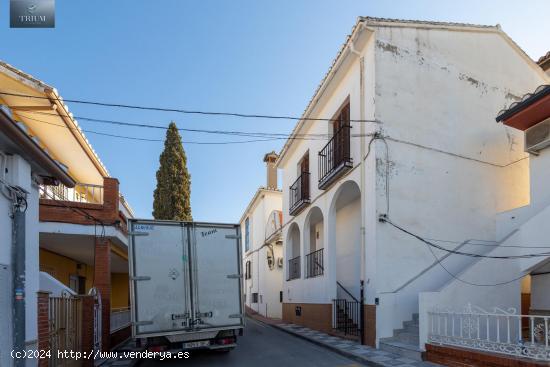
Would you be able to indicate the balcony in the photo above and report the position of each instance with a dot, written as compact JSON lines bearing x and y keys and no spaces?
{"x":85,"y":204}
{"x":299,"y":194}
{"x":294,"y":268}
{"x":81,"y":193}
{"x":335,"y":158}
{"x":314,"y":264}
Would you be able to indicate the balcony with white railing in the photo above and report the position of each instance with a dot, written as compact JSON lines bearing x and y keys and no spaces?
{"x":81,"y":193}
{"x":498,"y":331}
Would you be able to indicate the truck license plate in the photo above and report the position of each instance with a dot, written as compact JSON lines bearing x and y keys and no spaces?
{"x":199,"y":344}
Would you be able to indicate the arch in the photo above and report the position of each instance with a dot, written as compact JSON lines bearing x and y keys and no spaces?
{"x":313,"y":230}
{"x":345,"y":236}
{"x":293,"y":252}
{"x":314,"y":243}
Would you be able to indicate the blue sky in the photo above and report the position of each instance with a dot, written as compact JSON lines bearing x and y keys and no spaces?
{"x":245,"y":56}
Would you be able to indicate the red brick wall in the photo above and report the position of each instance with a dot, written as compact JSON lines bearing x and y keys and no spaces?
{"x":459,"y":357}
{"x":71,"y":212}
{"x":43,"y":302}
{"x":102,"y":281}
{"x":87,"y":335}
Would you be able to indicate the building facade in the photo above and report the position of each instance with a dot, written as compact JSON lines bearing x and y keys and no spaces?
{"x":262,"y":247}
{"x":23,"y":168}
{"x":411,"y":152}
{"x":82,"y":237}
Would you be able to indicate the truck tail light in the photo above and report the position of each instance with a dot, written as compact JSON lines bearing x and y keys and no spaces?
{"x":226,"y":341}
{"x":157,"y":348}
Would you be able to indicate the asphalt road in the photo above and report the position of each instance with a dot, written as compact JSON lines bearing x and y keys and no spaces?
{"x":263,"y":346}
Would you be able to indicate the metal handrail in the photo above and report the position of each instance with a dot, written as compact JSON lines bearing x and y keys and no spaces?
{"x":294,"y":271}
{"x":312,"y":264}
{"x":347,"y":292}
{"x":335,"y":152}
{"x":299,"y":191}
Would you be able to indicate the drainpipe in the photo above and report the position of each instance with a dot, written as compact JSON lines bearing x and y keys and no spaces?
{"x":18,"y":196}
{"x":18,"y":259}
{"x":362,"y":187}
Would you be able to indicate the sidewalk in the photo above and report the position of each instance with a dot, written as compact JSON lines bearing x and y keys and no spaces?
{"x":351,"y":349}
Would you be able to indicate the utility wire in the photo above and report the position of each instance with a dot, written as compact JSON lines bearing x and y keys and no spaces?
{"x":440,"y":263}
{"x":178,"y":110}
{"x":148,"y":139}
{"x":385,"y":219}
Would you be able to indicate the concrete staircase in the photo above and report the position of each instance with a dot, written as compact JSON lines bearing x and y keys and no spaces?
{"x":404,"y":341}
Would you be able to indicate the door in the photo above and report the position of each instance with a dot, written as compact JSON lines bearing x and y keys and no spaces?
{"x":216,"y":278}
{"x":159,"y":266}
{"x":304,"y":172}
{"x":340,"y":132}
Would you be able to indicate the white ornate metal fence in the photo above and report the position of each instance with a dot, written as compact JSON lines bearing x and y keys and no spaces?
{"x":498,"y":331}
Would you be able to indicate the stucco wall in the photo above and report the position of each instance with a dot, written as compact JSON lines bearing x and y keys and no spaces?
{"x":264,"y":281}
{"x":437,"y":94}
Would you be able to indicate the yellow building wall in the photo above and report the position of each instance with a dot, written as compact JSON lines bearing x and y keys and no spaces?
{"x":119,"y":290}
{"x":61,"y":268}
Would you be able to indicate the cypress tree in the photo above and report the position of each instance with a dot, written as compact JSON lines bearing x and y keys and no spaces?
{"x":172,"y":197}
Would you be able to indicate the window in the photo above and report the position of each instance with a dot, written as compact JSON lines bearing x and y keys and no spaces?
{"x":254,"y":297}
{"x":248,"y":270}
{"x":281,"y":296}
{"x":246,"y":234}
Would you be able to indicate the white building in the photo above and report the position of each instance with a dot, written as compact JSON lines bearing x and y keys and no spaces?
{"x":411,"y":140}
{"x":23,"y":166}
{"x":525,"y":281}
{"x":262,"y":246}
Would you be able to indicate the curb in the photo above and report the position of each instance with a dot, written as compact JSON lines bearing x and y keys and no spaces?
{"x":343,"y":353}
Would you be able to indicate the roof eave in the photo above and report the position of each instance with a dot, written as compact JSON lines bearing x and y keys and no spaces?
{"x":34,"y":152}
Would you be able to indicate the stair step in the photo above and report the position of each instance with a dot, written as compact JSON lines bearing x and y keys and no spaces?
{"x":410,"y":323}
{"x":400,"y":348}
{"x":407,"y":329}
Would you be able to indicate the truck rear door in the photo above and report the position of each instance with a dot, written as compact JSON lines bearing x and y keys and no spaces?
{"x":216,"y":275}
{"x":159,"y":273}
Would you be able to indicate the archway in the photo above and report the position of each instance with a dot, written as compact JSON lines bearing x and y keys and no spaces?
{"x":293,"y":252}
{"x":346,"y":235}
{"x":314,"y":243}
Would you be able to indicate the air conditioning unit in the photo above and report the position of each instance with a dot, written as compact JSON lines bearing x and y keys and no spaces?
{"x":537,"y":137}
{"x":280,"y":262}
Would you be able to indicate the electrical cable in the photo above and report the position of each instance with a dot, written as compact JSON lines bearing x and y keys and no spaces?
{"x":385,"y":219}
{"x":178,"y":110}
{"x":440,"y":263}
{"x":148,"y":139}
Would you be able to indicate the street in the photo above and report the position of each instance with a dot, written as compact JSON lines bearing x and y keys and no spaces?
{"x":263,"y":345}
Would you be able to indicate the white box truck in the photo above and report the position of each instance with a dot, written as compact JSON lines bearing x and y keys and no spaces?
{"x":185,"y":285}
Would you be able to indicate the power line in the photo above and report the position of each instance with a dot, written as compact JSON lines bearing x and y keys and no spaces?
{"x":385,"y":219}
{"x":440,"y":263}
{"x":178,"y":110}
{"x":148,"y":139}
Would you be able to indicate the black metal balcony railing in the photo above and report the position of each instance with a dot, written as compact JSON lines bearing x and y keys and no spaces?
{"x":294,"y":268}
{"x":314,"y":264}
{"x":299,"y":193}
{"x":335,"y":157}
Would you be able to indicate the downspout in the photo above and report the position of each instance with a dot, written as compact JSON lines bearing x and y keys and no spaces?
{"x":362,"y":186}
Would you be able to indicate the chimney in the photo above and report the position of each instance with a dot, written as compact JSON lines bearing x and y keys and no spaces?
{"x":269,"y":160}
